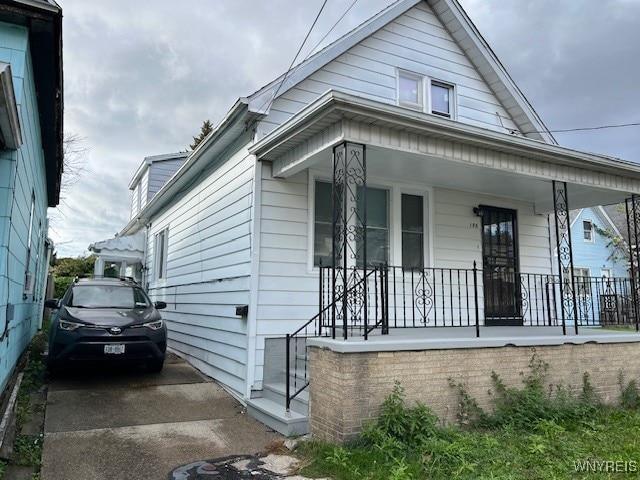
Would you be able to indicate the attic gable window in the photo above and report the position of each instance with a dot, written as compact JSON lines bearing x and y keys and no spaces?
{"x":587,"y":229}
{"x":441,"y":97}
{"x":425,"y":94}
{"x":410,"y":90}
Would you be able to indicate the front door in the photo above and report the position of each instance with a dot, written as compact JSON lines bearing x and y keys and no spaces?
{"x":502,"y":294}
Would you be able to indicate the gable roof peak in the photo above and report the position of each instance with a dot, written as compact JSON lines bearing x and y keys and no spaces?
{"x":458,"y":24}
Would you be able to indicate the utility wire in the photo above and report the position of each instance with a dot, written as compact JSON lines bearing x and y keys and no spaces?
{"x":331,"y":29}
{"x":600,"y":127}
{"x":296,"y":57}
{"x":317,"y":45}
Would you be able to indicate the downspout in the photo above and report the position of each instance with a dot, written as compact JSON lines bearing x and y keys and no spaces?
{"x":252,"y":316}
{"x":144,"y":257}
{"x":49,"y":244}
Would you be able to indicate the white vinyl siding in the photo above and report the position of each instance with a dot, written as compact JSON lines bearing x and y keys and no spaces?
{"x":288,"y":283}
{"x":458,"y":241}
{"x":415,"y":42}
{"x":208,"y":268}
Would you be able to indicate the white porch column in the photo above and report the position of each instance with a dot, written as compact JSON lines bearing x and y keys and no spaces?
{"x":98,"y":267}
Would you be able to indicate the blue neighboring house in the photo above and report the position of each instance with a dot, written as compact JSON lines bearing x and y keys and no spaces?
{"x":601,"y":274}
{"x":31,"y":151}
{"x":593,"y":255}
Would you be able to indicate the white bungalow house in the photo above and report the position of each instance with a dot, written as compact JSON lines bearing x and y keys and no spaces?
{"x":389,"y":196}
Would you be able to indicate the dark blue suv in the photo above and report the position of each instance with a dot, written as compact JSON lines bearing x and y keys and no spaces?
{"x":107,"y":320}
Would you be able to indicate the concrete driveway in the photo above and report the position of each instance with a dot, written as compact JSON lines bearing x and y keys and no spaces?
{"x":121,"y":424}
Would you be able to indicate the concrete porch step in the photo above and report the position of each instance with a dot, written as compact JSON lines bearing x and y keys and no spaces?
{"x":277,"y":392}
{"x":275,"y":416}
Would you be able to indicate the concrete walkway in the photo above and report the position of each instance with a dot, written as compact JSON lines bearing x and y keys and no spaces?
{"x":106,"y":424}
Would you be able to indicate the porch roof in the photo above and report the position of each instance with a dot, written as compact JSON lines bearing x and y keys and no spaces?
{"x":125,"y":247}
{"x":447,"y":149}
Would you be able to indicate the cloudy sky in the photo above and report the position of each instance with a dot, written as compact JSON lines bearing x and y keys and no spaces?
{"x":141,"y":76}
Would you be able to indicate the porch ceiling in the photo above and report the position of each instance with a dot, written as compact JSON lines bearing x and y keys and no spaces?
{"x":409,"y":147}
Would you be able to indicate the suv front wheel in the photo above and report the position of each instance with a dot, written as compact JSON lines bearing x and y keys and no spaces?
{"x":155,"y":366}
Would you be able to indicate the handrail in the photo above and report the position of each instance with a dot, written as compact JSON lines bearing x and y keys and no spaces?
{"x":295,"y":334}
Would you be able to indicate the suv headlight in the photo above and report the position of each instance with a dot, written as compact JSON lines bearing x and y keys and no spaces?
{"x":157,"y":325}
{"x":69,"y":326}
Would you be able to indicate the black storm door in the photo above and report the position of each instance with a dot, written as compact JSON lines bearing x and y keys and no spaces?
{"x":502,"y":296}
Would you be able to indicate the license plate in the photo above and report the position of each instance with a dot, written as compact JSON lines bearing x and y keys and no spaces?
{"x":115,"y":349}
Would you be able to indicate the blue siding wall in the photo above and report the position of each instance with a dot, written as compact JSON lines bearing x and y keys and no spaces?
{"x":22,"y":178}
{"x":594,"y":255}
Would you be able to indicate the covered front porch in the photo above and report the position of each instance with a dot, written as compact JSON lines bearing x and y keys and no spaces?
{"x":488,"y":253}
{"x":416,"y":220}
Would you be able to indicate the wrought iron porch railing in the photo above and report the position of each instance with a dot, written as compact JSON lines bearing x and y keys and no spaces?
{"x":296,"y":351}
{"x":401,"y":297}
{"x":387,"y":297}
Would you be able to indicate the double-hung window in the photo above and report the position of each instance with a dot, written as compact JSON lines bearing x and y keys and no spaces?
{"x":377,"y":226}
{"x":412,"y":231}
{"x":323,"y":225}
{"x":587,"y":229}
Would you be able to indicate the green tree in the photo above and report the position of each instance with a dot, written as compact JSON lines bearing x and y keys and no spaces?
{"x":204,"y":131}
{"x":65,"y":269}
{"x":73,"y":267}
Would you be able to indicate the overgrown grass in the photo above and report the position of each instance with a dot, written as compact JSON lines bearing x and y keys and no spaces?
{"x":533,"y":432}
{"x":27,"y":449}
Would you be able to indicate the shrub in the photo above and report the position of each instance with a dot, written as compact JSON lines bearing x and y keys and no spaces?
{"x":400,"y":429}
{"x":526,"y":407}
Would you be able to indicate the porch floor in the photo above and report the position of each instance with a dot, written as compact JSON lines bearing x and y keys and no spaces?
{"x":442,"y":338}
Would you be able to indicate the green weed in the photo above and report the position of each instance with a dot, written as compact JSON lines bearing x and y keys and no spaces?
{"x":533,"y":432}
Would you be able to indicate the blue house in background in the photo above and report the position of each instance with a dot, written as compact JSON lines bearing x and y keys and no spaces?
{"x":593,"y":255}
{"x":31,"y":151}
{"x":600,"y":272}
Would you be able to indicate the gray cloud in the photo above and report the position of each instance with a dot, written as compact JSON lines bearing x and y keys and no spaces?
{"x":140,"y":77}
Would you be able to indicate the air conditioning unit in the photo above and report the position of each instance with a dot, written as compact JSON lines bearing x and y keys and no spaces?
{"x":29,"y":283}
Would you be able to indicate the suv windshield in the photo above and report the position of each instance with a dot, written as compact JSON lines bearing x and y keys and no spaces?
{"x":107,"y":296}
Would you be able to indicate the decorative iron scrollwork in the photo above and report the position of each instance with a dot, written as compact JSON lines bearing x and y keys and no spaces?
{"x":424,"y":295}
{"x":565,"y":255}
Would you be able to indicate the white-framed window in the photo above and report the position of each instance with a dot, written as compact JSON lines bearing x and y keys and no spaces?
{"x":605,"y":272}
{"x":441,"y":99}
{"x":412,"y":225}
{"x":582,"y":281}
{"x":410,"y":90}
{"x":400,"y":242}
{"x":377,"y":227}
{"x":426,"y":94}
{"x":323,"y":224}
{"x":160,"y":254}
{"x":587,"y":231}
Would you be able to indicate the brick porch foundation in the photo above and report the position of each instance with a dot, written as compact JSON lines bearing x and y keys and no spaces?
{"x":347,"y":389}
